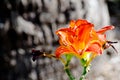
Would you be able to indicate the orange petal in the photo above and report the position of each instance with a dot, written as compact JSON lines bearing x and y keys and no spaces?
{"x":61,"y":50}
{"x":80,"y":22}
{"x":66,"y":36}
{"x":66,"y":30}
{"x":102,"y":37}
{"x":83,"y":34}
{"x":72,"y":24}
{"x":103,"y":30}
{"x":95,"y":48}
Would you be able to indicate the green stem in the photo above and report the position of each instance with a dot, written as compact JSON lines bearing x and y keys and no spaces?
{"x":71,"y":77}
{"x":85,"y":71}
{"x":67,"y":70}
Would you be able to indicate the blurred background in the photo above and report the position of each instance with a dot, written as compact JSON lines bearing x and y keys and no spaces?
{"x":27,"y":24}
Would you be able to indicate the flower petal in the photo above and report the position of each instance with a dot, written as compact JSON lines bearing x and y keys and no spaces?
{"x":95,"y":48}
{"x":72,"y":24}
{"x":83,"y":35}
{"x":103,"y":30}
{"x":80,"y":22}
{"x":61,"y":50}
{"x":84,"y":32}
{"x":65,"y":35}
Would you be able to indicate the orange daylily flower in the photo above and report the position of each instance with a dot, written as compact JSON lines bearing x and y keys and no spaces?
{"x":81,"y":39}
